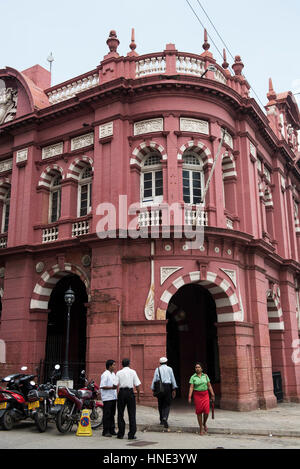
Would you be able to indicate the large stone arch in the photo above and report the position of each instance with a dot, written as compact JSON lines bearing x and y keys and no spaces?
{"x":224,"y":294}
{"x":47,"y":281}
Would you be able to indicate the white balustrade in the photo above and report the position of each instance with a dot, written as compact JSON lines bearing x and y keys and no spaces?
{"x":50,"y":234}
{"x":150,"y":66}
{"x":71,"y":89}
{"x":193,"y":217}
{"x":3,"y":242}
{"x":149,"y":218}
{"x":80,"y":228}
{"x":190,"y":65}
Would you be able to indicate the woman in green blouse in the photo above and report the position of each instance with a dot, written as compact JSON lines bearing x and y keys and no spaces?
{"x":199,"y":387}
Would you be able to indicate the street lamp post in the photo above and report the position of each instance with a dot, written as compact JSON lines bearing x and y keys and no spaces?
{"x":69,"y":300}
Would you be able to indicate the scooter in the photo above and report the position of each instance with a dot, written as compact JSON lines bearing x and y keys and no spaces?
{"x":72,"y":402}
{"x":41,"y":402}
{"x":13,"y":399}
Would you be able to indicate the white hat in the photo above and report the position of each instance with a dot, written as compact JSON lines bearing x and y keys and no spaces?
{"x":163,"y":360}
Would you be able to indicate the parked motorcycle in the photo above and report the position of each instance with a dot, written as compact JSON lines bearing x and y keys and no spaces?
{"x":41,"y":402}
{"x":72,"y":402}
{"x":13,"y":399}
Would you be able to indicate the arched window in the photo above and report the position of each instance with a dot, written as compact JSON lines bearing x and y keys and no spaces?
{"x":192,"y":179}
{"x":55,"y":198}
{"x":85,"y":191}
{"x":152,"y":180}
{"x":5,"y":212}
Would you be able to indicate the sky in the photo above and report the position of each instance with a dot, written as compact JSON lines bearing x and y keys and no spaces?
{"x":265,"y":33}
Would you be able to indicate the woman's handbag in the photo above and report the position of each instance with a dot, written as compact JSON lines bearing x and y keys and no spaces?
{"x":158,"y":386}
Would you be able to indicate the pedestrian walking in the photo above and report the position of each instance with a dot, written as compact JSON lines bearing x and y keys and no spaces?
{"x":164,"y":373}
{"x":127,"y":381}
{"x":108,"y":388}
{"x":200,"y":388}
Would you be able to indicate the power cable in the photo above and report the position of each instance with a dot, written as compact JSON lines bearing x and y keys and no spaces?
{"x":221,"y":40}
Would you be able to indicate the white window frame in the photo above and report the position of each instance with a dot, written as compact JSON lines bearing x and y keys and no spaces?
{"x":54,"y":189}
{"x":85,"y":182}
{"x":6,"y":206}
{"x":153,"y":169}
{"x":193,"y":168}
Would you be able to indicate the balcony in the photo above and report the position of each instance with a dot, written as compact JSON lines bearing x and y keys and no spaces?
{"x":3,"y":241}
{"x":80,"y":228}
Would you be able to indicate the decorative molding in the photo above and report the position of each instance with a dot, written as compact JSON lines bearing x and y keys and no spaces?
{"x":82,"y":141}
{"x":149,"y":306}
{"x":194,"y":125}
{"x":231,"y":274}
{"x":52,"y":150}
{"x":106,"y":130}
{"x":166,"y":272}
{"x":6,"y":165}
{"x":148,"y":126}
{"x":22,"y":155}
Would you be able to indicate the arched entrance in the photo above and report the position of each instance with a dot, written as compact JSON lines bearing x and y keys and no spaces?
{"x":192,"y":335}
{"x":56,"y":328}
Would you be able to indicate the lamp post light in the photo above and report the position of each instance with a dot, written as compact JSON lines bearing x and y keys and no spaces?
{"x":210,"y":68}
{"x":69,"y":300}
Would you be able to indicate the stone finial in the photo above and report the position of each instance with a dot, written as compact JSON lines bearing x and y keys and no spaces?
{"x":113,"y":42}
{"x":271,"y":95}
{"x":206,"y":44}
{"x":132,"y":44}
{"x":225,"y":64}
{"x":238,"y":65}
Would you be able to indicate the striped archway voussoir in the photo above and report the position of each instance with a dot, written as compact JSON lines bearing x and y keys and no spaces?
{"x":225,"y":296}
{"x":78,"y":165}
{"x":48,"y":174}
{"x":275,"y":314}
{"x":199,"y":148}
{"x":145,"y":149}
{"x":44,"y":287}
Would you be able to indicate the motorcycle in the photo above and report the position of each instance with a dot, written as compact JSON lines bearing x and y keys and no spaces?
{"x":13,"y":398}
{"x":41,"y":402}
{"x":72,"y":402}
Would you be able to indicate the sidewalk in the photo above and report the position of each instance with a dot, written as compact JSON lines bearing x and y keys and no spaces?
{"x":284,"y":420}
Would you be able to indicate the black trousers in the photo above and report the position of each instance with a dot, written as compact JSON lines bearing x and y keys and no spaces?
{"x":126,"y":398}
{"x":164,"y":402}
{"x":109,"y":411}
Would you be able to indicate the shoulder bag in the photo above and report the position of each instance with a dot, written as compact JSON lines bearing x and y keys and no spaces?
{"x":158,"y":386}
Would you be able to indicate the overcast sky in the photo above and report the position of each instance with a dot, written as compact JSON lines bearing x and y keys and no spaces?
{"x":264,"y":32}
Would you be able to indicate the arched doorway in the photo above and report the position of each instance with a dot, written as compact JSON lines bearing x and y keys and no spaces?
{"x":56,"y":328}
{"x":192,"y":336}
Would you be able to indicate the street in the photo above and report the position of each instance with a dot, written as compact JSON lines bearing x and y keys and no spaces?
{"x":26,"y":436}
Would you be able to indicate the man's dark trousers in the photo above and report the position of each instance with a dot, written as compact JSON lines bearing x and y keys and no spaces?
{"x":109,"y":410}
{"x":126,"y":397}
{"x":164,"y":402}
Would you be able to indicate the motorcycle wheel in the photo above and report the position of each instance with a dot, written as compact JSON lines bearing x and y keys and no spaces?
{"x":7,"y":422}
{"x":41,"y":421}
{"x":96,"y":417}
{"x":63,"y":419}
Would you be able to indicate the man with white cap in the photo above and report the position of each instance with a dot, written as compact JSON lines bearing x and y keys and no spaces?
{"x":164,"y":373}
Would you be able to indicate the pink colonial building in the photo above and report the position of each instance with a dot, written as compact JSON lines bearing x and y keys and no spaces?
{"x":88,"y":170}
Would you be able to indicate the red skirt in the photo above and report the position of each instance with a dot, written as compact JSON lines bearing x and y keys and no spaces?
{"x":201,"y":401}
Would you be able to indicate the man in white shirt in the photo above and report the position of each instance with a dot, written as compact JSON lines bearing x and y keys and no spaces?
{"x":127,"y":381}
{"x":166,"y":375}
{"x":108,"y":387}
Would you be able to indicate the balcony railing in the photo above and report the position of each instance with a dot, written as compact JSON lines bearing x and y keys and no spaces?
{"x":194,"y":217}
{"x":148,"y":218}
{"x":3,"y":242}
{"x":80,"y":228}
{"x":50,"y":234}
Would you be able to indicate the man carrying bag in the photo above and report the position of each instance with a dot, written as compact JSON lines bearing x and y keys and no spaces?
{"x":164,"y":389}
